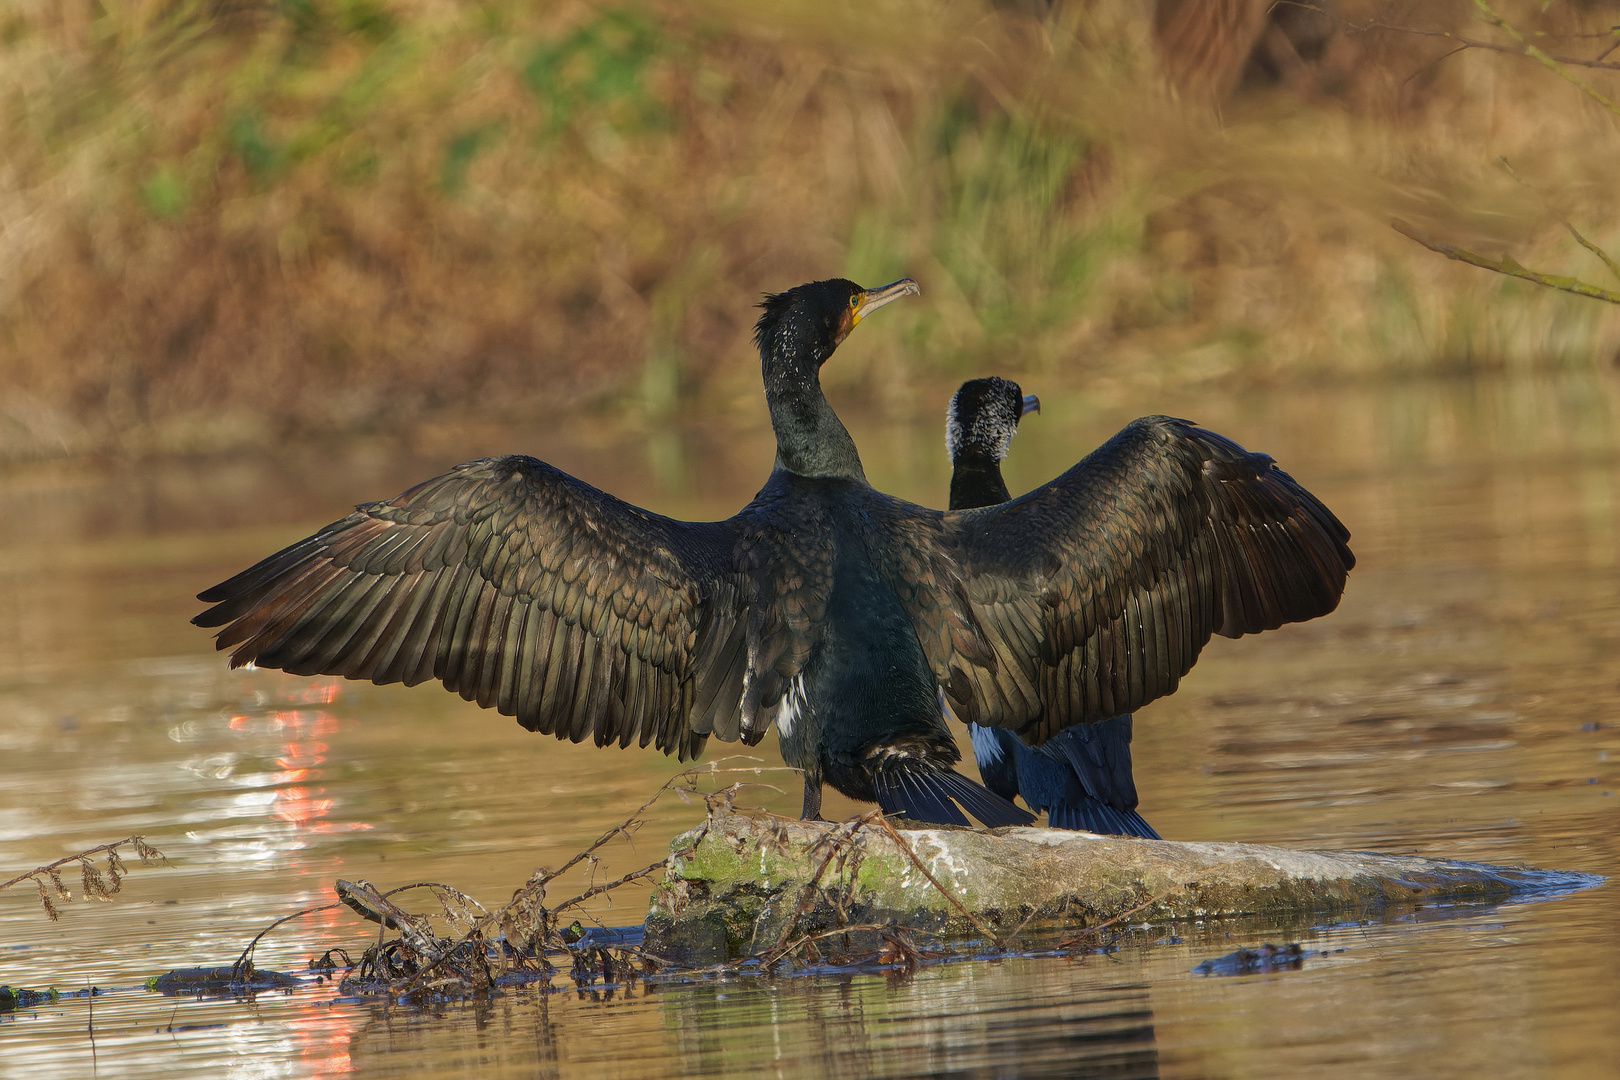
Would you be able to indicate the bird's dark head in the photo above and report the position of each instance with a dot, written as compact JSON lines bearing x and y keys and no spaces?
{"x":802,"y":326}
{"x":983,"y":418}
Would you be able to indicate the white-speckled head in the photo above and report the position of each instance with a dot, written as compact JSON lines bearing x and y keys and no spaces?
{"x":983,"y":417}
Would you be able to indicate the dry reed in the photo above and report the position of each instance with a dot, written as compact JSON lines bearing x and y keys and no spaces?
{"x":228,"y":221}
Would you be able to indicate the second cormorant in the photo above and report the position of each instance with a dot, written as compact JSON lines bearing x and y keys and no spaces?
{"x":1081,"y":776}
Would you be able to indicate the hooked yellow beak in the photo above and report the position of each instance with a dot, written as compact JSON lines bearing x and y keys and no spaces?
{"x":872,"y":299}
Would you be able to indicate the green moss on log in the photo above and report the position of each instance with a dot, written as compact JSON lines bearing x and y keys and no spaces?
{"x":750,"y":881}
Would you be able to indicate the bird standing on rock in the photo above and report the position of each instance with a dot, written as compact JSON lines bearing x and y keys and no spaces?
{"x":1081,"y":776}
{"x":826,"y":607}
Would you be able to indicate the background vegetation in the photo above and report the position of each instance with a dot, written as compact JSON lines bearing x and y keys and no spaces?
{"x":229,"y":222}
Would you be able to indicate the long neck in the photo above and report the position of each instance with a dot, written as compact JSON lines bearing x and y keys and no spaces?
{"x":810,"y":439}
{"x":976,"y":481}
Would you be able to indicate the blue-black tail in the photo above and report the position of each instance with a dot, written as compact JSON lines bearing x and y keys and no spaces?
{"x":1081,"y":776}
{"x":928,"y":793}
{"x":1089,"y":815}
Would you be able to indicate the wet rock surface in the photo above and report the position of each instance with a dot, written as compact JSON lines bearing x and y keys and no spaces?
{"x":742,"y":883}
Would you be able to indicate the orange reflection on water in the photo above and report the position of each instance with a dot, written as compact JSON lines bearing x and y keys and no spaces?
{"x":321,"y":1035}
{"x":297,"y":799}
{"x":299,"y":806}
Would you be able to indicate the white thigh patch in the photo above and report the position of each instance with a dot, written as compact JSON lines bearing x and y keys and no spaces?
{"x":791,"y":707}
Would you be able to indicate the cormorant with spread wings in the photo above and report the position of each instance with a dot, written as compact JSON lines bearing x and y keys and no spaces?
{"x":824,"y":606}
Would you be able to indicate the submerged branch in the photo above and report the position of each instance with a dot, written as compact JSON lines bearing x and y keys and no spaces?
{"x":1092,"y":931}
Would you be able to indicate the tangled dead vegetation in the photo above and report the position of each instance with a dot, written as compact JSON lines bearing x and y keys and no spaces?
{"x":452,"y":945}
{"x":461,"y":946}
{"x":449,"y":944}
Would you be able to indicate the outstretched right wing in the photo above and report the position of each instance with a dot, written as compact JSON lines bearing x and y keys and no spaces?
{"x":1093,"y":594}
{"x":521,"y":588}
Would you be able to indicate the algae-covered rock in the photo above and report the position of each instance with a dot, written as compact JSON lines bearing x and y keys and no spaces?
{"x":736,"y":885}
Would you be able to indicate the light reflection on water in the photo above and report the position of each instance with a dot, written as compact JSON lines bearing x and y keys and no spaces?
{"x":1463,"y":702}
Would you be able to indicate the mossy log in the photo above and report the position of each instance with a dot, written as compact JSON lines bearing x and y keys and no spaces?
{"x":743,"y":884}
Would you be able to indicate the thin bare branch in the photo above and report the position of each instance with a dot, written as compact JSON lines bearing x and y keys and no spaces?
{"x":597,"y":890}
{"x":1506,"y":265}
{"x":978,"y":924}
{"x":1557,"y":65}
{"x":1608,"y":260}
{"x":634,"y":821}
{"x":835,"y":842}
{"x":244,"y":963}
{"x":1474,"y":43}
{"x":93,"y":885}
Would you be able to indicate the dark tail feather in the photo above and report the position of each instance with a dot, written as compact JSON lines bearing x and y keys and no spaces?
{"x":1090,"y":815}
{"x":927,"y":794}
{"x":907,"y":792}
{"x":983,"y":803}
{"x":1136,"y":825}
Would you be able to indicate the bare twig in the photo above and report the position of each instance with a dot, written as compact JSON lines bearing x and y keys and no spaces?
{"x":1091,"y":931}
{"x":978,"y":924}
{"x":244,"y":963}
{"x":1473,"y":43}
{"x":597,"y":890}
{"x":1557,"y":65}
{"x":634,"y":821}
{"x":94,"y":886}
{"x":835,"y":842}
{"x":1506,"y":265}
{"x":1608,"y":260}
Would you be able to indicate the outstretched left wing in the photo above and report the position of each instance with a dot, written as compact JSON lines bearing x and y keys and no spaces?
{"x":521,"y":588}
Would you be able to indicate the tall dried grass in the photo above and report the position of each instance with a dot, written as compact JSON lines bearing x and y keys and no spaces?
{"x":224,"y":222}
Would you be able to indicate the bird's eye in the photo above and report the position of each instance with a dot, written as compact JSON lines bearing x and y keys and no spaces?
{"x":855,"y":301}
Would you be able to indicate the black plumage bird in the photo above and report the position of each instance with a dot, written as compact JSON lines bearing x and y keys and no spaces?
{"x":823,"y":606}
{"x":1081,"y":777}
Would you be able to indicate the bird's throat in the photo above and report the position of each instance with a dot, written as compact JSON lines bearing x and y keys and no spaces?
{"x":810,"y":439}
{"x":976,"y":481}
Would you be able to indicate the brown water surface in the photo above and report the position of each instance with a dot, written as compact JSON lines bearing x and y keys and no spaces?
{"x":1462,"y":702}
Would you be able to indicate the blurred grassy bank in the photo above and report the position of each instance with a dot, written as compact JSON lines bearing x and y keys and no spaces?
{"x":226,"y":223}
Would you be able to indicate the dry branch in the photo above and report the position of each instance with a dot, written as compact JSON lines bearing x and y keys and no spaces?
{"x":1506,"y":265}
{"x":836,"y":843}
{"x":1465,"y":43}
{"x":978,"y":924}
{"x":522,"y":934}
{"x":94,"y":886}
{"x":1554,"y":64}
